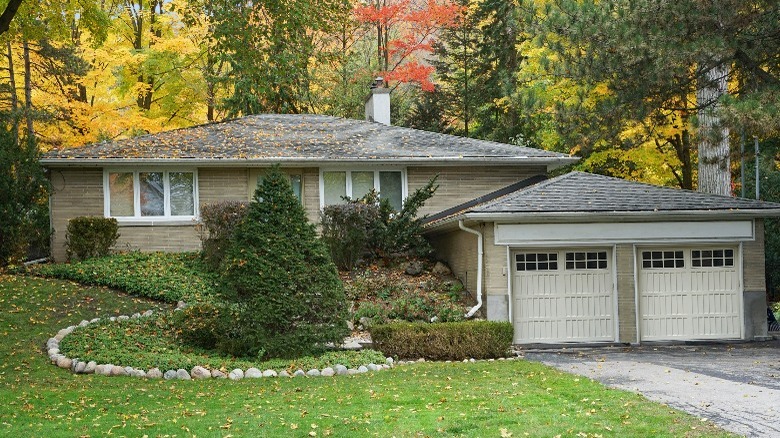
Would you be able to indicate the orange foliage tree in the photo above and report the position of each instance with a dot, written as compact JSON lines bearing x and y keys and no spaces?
{"x":406,"y":31}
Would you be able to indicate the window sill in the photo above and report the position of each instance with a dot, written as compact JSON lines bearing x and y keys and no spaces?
{"x":166,"y":222}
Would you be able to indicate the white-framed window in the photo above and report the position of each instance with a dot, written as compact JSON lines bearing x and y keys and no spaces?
{"x":586,"y":260}
{"x":335,"y":184}
{"x":663,"y":259}
{"x":536,"y":261}
{"x":712,"y":258}
{"x":150,"y":194}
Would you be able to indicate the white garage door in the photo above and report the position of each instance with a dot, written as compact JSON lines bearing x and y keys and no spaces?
{"x":689,"y":293}
{"x":563,"y":296}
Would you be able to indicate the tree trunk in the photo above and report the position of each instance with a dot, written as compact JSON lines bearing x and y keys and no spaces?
{"x":714,"y":161}
{"x":14,"y":96}
{"x":28,"y":111}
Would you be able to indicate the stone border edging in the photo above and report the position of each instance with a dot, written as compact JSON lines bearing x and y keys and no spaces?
{"x":77,"y":366}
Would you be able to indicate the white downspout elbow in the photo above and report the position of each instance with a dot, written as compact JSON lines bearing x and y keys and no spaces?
{"x":480,"y":256}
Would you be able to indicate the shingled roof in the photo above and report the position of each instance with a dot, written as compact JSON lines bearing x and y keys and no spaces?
{"x":294,"y":138}
{"x":588,"y":195}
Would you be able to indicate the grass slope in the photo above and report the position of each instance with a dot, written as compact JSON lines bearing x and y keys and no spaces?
{"x":431,"y":399}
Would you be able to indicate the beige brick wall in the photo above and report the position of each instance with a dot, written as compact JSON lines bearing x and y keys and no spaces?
{"x":460,"y":184}
{"x":222,"y":184}
{"x":626,"y":293}
{"x":459,"y":250}
{"x":158,"y":238}
{"x":754,"y":277}
{"x":75,"y":192}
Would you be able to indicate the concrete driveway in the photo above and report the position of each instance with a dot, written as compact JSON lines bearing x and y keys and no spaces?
{"x":736,"y":386}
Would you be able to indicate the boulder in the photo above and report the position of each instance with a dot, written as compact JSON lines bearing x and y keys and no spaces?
{"x":389,"y":361}
{"x":414,"y":268}
{"x":372,"y":367}
{"x":269,"y":373}
{"x":253,"y":373}
{"x":122,"y":318}
{"x":352,"y":372}
{"x":299,"y":373}
{"x":90,"y":368}
{"x":217,"y":374}
{"x":148,"y":313}
{"x":182,"y":374}
{"x":118,"y":371}
{"x":441,"y":269}
{"x":313,"y":373}
{"x":233,"y":375}
{"x":154,"y":373}
{"x":328,"y":372}
{"x":80,"y":367}
{"x":170,"y":374}
{"x":198,"y":372}
{"x":64,"y":362}
{"x":340,"y":369}
{"x":362,"y":369}
{"x":284,"y":373}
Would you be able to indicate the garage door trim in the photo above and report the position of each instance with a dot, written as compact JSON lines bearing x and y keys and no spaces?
{"x":562,"y":249}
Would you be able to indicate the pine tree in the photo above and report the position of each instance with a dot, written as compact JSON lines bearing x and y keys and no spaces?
{"x":290,"y":298}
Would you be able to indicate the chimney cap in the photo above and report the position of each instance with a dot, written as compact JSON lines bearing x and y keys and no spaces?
{"x":378,"y":82}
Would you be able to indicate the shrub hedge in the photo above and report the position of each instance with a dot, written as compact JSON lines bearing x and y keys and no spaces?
{"x":443,"y":341}
{"x":218,"y":220}
{"x":90,"y":236}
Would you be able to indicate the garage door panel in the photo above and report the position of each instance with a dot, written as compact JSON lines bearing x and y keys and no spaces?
{"x":698,"y":298}
{"x":563,"y":305}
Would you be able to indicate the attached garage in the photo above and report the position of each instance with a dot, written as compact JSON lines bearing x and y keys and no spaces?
{"x":689,"y":293}
{"x":564,"y":295}
{"x":584,"y":258}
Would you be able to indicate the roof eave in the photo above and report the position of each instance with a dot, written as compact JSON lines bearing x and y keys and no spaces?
{"x":550,"y":162}
{"x":583,"y":217}
{"x":580,"y":216}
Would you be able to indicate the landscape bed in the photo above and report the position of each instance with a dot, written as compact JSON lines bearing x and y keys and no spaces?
{"x":452,"y":399}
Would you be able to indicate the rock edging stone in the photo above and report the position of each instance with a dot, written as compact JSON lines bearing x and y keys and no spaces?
{"x":198,"y":372}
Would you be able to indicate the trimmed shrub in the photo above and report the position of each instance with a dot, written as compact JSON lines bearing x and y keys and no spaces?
{"x":367,"y":227}
{"x":443,"y":341}
{"x":350,"y":230}
{"x":218,"y":220}
{"x":291,"y":300}
{"x":90,"y":236}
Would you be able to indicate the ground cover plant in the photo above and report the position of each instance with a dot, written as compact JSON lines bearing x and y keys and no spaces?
{"x":151,"y":342}
{"x":482,"y":399}
{"x":166,"y":277}
{"x":384,"y":292}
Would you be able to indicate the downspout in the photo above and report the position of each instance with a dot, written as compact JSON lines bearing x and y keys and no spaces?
{"x":480,"y":256}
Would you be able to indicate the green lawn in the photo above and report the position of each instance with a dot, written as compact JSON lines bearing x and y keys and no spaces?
{"x":432,"y":399}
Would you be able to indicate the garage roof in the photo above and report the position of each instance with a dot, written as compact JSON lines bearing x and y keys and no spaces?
{"x":300,"y":138}
{"x":587,"y":195}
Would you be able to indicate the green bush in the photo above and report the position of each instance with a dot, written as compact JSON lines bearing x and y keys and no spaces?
{"x":23,"y":198}
{"x":291,"y":299}
{"x":162,"y":276}
{"x":90,"y":236}
{"x":443,"y":341}
{"x":350,"y":230}
{"x":367,"y":227}
{"x":218,"y":220}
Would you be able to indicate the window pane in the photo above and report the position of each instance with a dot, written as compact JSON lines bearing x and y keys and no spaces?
{"x":362,"y":183}
{"x":152,"y":193}
{"x":335,"y":187}
{"x":120,"y":186}
{"x":182,"y":199}
{"x":295,"y":182}
{"x":390,"y":188}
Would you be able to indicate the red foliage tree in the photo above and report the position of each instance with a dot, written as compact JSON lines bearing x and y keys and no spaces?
{"x":406,"y":31}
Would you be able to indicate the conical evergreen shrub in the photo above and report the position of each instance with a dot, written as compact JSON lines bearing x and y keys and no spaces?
{"x":288,"y":295}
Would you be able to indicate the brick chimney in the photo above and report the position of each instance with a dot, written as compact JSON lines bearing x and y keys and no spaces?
{"x":378,"y":103}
